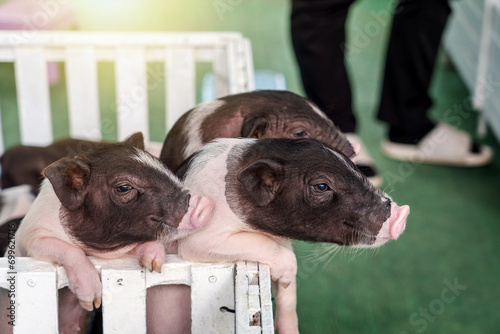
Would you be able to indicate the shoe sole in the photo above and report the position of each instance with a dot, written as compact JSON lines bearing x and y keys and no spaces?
{"x":412,"y":153}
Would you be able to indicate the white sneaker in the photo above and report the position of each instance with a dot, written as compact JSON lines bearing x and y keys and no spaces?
{"x":444,"y":145}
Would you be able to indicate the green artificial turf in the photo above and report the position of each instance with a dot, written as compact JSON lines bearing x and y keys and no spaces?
{"x":454,"y":226}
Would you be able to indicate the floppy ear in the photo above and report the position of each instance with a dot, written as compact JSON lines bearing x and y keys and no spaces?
{"x":136,"y":140}
{"x":262,"y":179}
{"x":357,"y":148}
{"x":254,"y":128}
{"x":69,"y":178}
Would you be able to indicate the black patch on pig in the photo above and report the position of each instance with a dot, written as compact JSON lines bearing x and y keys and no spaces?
{"x":259,"y":114}
{"x":7,"y":231}
{"x":111,"y":200}
{"x":305,"y":190}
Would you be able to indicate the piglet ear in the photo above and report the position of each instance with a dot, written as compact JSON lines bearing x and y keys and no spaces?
{"x":136,"y":140}
{"x":254,"y":128}
{"x":262,"y":179}
{"x":69,"y":178}
{"x":357,"y":148}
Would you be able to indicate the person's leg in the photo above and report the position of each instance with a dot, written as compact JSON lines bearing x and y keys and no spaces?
{"x":415,"y":38}
{"x":414,"y":42}
{"x":318,"y":37}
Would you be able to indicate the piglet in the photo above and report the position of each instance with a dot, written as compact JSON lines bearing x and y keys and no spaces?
{"x":267,"y":192}
{"x":259,"y":114}
{"x":116,"y":200}
{"x":23,"y":164}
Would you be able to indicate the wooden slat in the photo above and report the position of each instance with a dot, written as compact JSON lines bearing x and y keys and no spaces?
{"x":123,"y":301}
{"x":240,"y":60}
{"x":212,"y":288}
{"x":248,"y":71}
{"x":221,"y":72}
{"x":253,"y":296}
{"x":124,"y":293}
{"x":131,"y":92}
{"x":173,"y":271}
{"x":180,"y":86}
{"x":33,"y":96}
{"x":83,"y":99}
{"x":36,"y":294}
{"x":266,"y":302}
{"x":241,"y":283}
{"x":248,"y":298}
{"x":232,"y":63}
{"x":117,"y":39}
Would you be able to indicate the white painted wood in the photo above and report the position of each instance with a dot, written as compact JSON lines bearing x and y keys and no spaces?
{"x":33,"y":96}
{"x":36,"y":294}
{"x":124,"y":282}
{"x":124,"y":291}
{"x":180,"y":87}
{"x":173,"y":271}
{"x":241,"y":298}
{"x":123,"y":301}
{"x":221,"y":71}
{"x":131,"y":92}
{"x":232,"y":63}
{"x":253,"y":291}
{"x":229,"y":52}
{"x":212,"y":287}
{"x":248,"y":70}
{"x":114,"y":39}
{"x":83,"y":96}
{"x":266,"y":301}
{"x":250,"y":299}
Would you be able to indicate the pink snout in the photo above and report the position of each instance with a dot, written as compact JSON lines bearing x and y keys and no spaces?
{"x":394,"y":225}
{"x":200,"y":212}
{"x":397,"y":220}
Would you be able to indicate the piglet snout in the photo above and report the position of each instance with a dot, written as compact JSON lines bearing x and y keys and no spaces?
{"x":199,"y":213}
{"x":397,"y":220}
{"x":394,"y":225}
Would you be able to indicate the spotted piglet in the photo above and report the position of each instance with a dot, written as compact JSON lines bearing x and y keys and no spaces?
{"x":113,"y":201}
{"x":259,"y":114}
{"x":270,"y":191}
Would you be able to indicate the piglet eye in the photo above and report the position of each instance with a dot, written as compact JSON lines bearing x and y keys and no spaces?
{"x":321,"y":188}
{"x":124,"y":188}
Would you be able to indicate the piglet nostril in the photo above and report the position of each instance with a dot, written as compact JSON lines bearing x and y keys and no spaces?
{"x":388,"y":207}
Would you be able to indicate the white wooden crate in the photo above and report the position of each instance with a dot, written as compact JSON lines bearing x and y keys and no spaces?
{"x":38,"y":282}
{"x":229,"y":53}
{"x":215,"y":288}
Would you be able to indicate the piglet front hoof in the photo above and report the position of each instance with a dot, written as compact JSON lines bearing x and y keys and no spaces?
{"x":151,"y":255}
{"x":84,"y":282}
{"x":284,"y":268}
{"x":89,"y":306}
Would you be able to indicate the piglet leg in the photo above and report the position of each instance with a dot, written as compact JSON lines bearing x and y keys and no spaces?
{"x":286,"y":319}
{"x":151,"y":255}
{"x":259,"y":248}
{"x":83,"y":278}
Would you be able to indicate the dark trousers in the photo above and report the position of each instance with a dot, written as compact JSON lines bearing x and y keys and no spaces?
{"x":318,"y":37}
